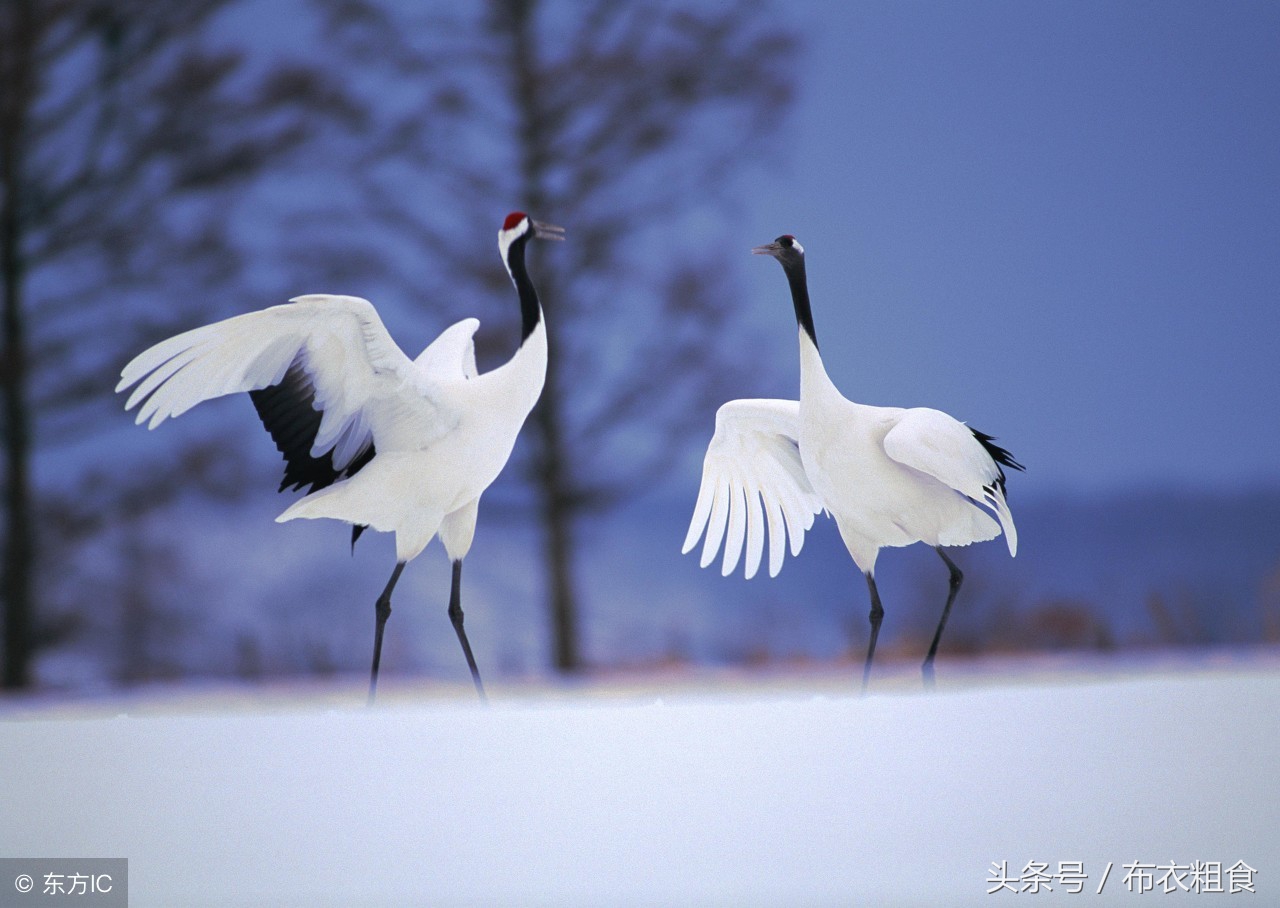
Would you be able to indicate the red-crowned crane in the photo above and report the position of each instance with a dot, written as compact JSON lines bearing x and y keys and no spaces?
{"x":406,"y":446}
{"x":889,"y":476}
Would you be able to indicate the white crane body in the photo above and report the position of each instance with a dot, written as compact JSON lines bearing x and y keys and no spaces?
{"x":439,"y":476}
{"x":891,"y":476}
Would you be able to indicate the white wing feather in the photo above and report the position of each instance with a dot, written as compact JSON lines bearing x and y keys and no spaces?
{"x":364,"y":384}
{"x":945,"y":448}
{"x":452,"y":355}
{"x":753,"y":485}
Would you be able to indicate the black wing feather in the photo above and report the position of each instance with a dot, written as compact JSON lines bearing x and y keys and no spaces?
{"x":288,"y":412}
{"x":1002,"y":457}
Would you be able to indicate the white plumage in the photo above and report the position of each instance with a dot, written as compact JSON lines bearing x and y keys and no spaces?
{"x":753,"y":478}
{"x":888,"y":476}
{"x":402,"y":446}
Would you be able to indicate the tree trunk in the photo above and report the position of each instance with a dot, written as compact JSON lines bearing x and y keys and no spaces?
{"x":16,"y":573}
{"x":554,"y":489}
{"x":558,"y":515}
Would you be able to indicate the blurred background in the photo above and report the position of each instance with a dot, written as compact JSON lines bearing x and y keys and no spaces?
{"x":1057,"y":222}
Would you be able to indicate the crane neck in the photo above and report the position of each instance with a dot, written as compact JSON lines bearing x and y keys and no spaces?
{"x":530,"y":308}
{"x":816,"y":388}
{"x":800,"y":298}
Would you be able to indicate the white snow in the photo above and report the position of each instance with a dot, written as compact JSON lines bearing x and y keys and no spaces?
{"x":710,"y":790}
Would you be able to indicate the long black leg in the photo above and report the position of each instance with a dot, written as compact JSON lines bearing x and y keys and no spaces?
{"x":455,"y":615}
{"x":382,"y":610}
{"x":877,"y":613}
{"x":957,"y":577}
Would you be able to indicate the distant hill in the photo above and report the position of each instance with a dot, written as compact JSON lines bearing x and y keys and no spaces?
{"x":256,"y":598}
{"x":1156,"y":568}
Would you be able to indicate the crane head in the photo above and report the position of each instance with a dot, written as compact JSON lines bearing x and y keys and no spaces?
{"x":519,"y":225}
{"x":786,"y":249}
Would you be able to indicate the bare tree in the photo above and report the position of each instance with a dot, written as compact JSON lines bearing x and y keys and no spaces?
{"x":622,"y":121}
{"x":124,"y":135}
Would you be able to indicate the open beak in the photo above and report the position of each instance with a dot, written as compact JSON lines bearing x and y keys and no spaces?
{"x":772,"y":249}
{"x":547,"y":231}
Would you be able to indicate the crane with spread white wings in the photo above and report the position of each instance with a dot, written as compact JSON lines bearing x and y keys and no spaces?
{"x":889,"y":476}
{"x":379,"y":440}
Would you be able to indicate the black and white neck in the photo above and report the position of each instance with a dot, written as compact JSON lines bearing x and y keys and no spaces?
{"x":515,"y":233}
{"x":512,"y":239}
{"x":790,"y":255}
{"x":799,"y":283}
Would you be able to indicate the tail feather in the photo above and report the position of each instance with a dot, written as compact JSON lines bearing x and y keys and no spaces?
{"x":996,"y":501}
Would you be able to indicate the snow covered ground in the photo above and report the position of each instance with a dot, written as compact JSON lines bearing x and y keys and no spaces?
{"x":714,"y":789}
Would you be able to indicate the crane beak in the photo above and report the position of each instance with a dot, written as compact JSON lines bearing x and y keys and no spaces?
{"x":772,"y":249}
{"x":546,"y":231}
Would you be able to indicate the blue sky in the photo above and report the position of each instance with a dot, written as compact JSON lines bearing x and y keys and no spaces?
{"x":1057,"y":221}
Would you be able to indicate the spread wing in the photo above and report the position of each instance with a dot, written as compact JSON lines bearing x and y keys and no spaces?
{"x":964,"y":459}
{"x":329,"y":383}
{"x":753,"y":478}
